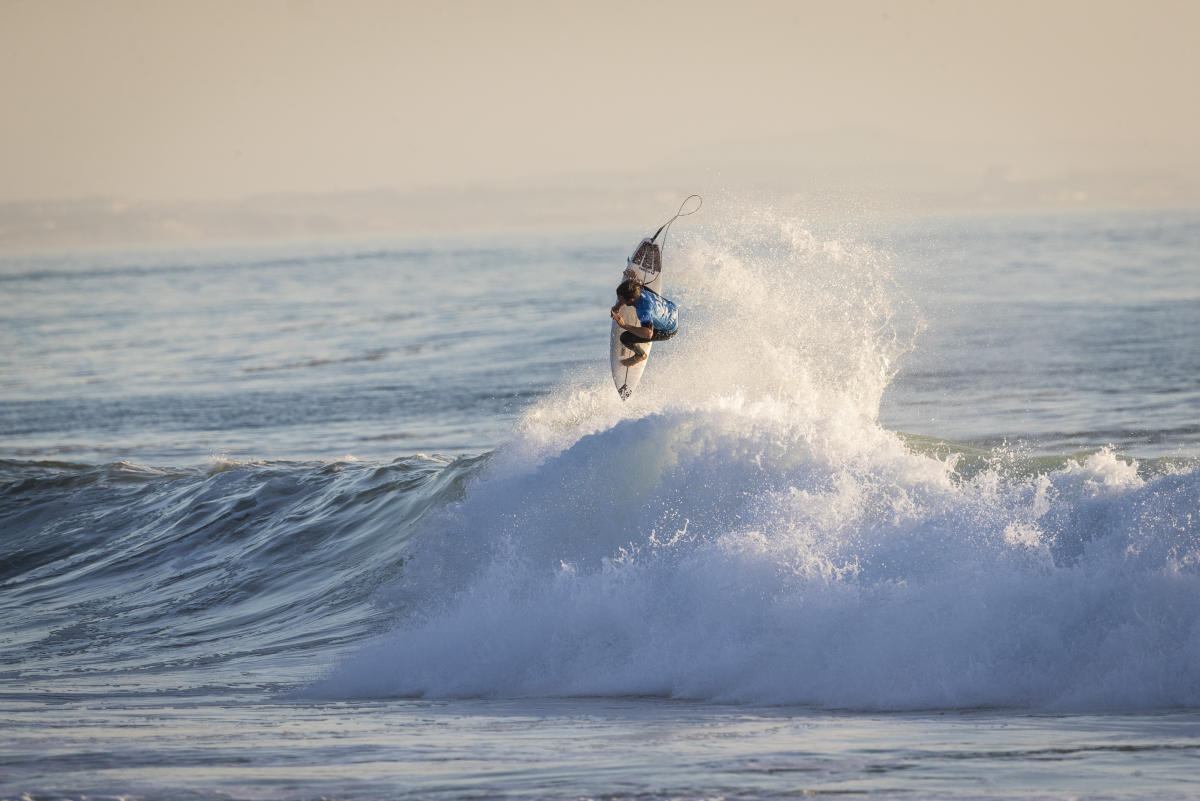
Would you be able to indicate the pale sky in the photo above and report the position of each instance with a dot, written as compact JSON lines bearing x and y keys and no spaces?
{"x":178,"y":99}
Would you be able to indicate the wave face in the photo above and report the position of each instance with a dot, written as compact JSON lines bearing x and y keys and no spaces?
{"x":125,"y":578}
{"x":745,"y":531}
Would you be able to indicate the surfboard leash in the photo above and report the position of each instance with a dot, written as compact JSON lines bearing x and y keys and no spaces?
{"x":667,"y":225}
{"x":665,"y":228}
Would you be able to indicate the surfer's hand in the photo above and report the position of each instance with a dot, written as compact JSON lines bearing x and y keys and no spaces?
{"x":613,"y":314}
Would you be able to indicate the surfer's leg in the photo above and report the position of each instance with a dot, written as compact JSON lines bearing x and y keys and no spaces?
{"x":634,"y":343}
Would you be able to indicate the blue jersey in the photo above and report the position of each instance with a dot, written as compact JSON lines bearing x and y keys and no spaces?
{"x":656,"y":311}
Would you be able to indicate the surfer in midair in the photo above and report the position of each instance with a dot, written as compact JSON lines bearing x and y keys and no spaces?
{"x":658,"y":317}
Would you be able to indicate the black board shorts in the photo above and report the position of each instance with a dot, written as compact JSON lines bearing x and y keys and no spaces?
{"x":632,"y":341}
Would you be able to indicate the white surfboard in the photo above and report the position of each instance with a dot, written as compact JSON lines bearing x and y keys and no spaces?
{"x":646,"y":262}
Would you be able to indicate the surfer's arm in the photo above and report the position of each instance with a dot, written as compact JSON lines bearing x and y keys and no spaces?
{"x":642,"y":331}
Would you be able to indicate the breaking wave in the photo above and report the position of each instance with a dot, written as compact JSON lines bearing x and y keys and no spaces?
{"x":745,"y":531}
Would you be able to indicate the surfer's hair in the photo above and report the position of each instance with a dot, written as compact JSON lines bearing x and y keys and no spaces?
{"x":629,"y":288}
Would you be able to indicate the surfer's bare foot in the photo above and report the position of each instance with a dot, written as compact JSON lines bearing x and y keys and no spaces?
{"x":632,"y":360}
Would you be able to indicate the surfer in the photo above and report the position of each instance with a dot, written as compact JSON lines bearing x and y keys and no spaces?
{"x":657,"y":315}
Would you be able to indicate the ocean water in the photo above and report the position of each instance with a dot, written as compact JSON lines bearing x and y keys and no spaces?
{"x":907,"y":509}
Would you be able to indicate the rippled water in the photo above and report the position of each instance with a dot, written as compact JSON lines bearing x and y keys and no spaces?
{"x":594,"y":748}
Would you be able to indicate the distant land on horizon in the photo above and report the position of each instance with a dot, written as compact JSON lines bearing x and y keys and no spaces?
{"x":570,"y":203}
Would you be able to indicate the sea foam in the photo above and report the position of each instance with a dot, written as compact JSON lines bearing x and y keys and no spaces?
{"x":745,"y":531}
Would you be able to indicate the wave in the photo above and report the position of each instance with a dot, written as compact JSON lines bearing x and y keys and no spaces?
{"x":250,"y":570}
{"x":726,"y":555}
{"x":745,"y":531}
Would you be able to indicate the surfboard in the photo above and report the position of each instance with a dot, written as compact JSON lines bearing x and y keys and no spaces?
{"x":646,"y":262}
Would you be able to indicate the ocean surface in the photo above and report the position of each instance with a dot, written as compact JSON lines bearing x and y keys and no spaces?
{"x":908,"y":509}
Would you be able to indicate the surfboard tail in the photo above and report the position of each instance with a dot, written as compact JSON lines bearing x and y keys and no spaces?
{"x":648,"y":259}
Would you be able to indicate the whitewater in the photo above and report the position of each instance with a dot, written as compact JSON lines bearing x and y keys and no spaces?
{"x":889,"y":517}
